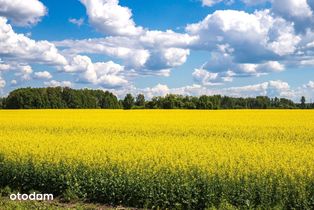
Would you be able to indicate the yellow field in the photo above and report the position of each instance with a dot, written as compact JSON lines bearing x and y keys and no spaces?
{"x":175,"y":159}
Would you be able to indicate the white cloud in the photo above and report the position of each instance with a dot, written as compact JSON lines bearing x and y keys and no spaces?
{"x":222,"y":67}
{"x":79,"y":22}
{"x":18,"y":47}
{"x":193,"y":90}
{"x":138,"y":54}
{"x":152,"y":50}
{"x":243,"y":44}
{"x":141,"y":49}
{"x":300,"y":12}
{"x":257,"y":69}
{"x":166,"y":39}
{"x":276,"y":88}
{"x":272,"y":66}
{"x":207,"y":78}
{"x":175,"y":56}
{"x":24,"y":71}
{"x":292,"y":8}
{"x":13,"y":82}
{"x":132,"y":55}
{"x":258,"y":35}
{"x":299,"y":9}
{"x":78,"y":64}
{"x":22,"y":13}
{"x":54,"y":83}
{"x":43,"y":75}
{"x":158,"y":90}
{"x":310,"y":85}
{"x":4,"y":66}
{"x":110,"y":18}
{"x":168,"y":58}
{"x":149,"y":92}
{"x":106,"y":74}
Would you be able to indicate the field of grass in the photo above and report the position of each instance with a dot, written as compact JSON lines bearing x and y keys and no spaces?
{"x":159,"y":158}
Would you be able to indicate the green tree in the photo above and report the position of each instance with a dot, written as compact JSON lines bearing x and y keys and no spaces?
{"x":140,"y":100}
{"x":2,"y":102}
{"x":303,"y":100}
{"x":204,"y":103}
{"x":128,"y":101}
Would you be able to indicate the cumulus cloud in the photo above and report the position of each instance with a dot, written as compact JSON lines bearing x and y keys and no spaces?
{"x":209,"y":78}
{"x":54,"y":83}
{"x":138,"y":54}
{"x":139,"y":48}
{"x":259,"y":69}
{"x":289,"y":8}
{"x":120,"y":47}
{"x":4,"y":66}
{"x":42,"y":75}
{"x":18,"y":47}
{"x":164,"y":39}
{"x":251,"y":36}
{"x":293,"y":8}
{"x":223,"y":67}
{"x":271,"y":89}
{"x":310,"y":85}
{"x":24,"y":71}
{"x":300,"y":12}
{"x":13,"y":82}
{"x":22,"y":13}
{"x":108,"y":17}
{"x":243,"y":44}
{"x":153,"y":50}
{"x":166,"y":58}
{"x":105,"y":74}
{"x":158,"y":90}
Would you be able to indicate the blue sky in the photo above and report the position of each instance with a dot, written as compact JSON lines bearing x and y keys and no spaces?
{"x":156,"y":47}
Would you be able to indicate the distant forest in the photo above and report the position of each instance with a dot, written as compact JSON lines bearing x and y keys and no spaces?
{"x":67,"y":98}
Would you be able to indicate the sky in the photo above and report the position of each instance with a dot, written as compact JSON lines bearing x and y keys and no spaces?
{"x":241,"y":48}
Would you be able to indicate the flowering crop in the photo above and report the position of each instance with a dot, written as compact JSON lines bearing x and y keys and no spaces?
{"x":167,"y":159}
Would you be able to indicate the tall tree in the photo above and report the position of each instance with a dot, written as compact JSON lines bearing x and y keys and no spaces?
{"x":303,"y":100}
{"x":128,"y":101}
{"x":140,"y":100}
{"x":1,"y":103}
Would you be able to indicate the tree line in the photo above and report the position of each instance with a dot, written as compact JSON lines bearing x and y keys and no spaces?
{"x":59,"y":98}
{"x":67,"y":98}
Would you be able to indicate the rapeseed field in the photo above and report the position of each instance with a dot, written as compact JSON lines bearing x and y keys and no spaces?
{"x":162,"y":158}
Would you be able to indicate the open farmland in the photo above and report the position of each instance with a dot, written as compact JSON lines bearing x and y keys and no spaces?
{"x":160,"y":158}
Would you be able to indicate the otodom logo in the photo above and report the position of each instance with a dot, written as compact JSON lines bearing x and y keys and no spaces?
{"x":33,"y":197}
